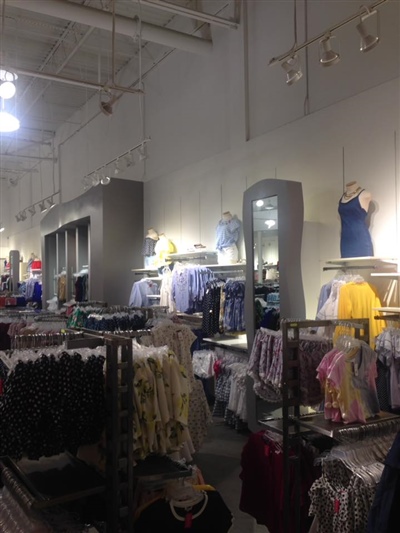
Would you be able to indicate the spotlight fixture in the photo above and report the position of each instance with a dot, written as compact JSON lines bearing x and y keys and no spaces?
{"x":142,"y":152}
{"x":32,"y":210}
{"x":2,"y":228}
{"x":368,"y":41}
{"x":327,"y":56}
{"x":23,"y":215}
{"x":130,"y":161}
{"x":8,"y":123}
{"x":7,"y":90}
{"x":107,"y":100}
{"x":95,"y":179}
{"x":18,"y":218}
{"x":116,"y":169}
{"x":260,"y":203}
{"x":51,"y":203}
{"x":293,"y":69}
{"x":105,"y":180}
{"x":42,"y":207}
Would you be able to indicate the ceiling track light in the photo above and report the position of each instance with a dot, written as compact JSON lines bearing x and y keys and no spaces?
{"x":293,"y":69}
{"x":142,"y":152}
{"x":105,"y":180}
{"x":123,"y":161}
{"x":2,"y":228}
{"x":32,"y":210}
{"x":50,"y":202}
{"x":107,"y":100}
{"x":327,"y":56}
{"x":42,"y":207}
{"x":368,"y":41}
{"x":23,"y":215}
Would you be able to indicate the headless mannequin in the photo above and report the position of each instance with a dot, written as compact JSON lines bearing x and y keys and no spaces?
{"x":352,"y":190}
{"x":355,"y":239}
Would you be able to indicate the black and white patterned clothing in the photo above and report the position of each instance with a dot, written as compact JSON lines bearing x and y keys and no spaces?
{"x":51,"y":404}
{"x":148,"y":249}
{"x":341,"y":501}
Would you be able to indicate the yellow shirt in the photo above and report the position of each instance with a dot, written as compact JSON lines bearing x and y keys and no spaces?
{"x":357,"y":300}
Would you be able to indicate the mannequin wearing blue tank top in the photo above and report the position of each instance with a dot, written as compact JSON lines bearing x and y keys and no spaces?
{"x":355,"y":239}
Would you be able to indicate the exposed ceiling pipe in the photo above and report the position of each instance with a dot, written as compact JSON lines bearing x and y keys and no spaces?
{"x":33,"y":157}
{"x":71,"y":81}
{"x":123,"y":25}
{"x":191,"y":13}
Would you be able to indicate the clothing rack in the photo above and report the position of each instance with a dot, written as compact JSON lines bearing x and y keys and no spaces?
{"x":290,"y":424}
{"x":41,"y":340}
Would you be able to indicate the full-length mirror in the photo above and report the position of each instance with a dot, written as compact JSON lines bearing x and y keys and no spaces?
{"x":266,"y":262}
{"x":273,"y":225}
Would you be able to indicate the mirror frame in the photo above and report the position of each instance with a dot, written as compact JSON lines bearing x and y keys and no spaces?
{"x":290,"y":232}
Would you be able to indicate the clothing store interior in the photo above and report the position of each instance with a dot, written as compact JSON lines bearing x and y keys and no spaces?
{"x":200,"y":266}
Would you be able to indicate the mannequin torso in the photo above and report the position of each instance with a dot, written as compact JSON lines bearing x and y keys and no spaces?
{"x":353,"y":190}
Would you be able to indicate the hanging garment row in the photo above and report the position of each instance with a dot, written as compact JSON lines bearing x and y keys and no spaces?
{"x":262,"y":481}
{"x":223,"y":307}
{"x":347,"y":374}
{"x":161,"y":402}
{"x":98,"y":319}
{"x":52,"y":400}
{"x":230,"y":389}
{"x":342,"y":497}
{"x":179,"y":338}
{"x":347,"y":297}
{"x":265,"y":365}
{"x":25,"y":325}
{"x":388,"y":381}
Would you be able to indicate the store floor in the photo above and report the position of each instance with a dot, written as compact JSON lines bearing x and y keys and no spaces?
{"x":219,"y":461}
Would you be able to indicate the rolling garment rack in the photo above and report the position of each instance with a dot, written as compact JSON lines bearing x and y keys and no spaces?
{"x":292,"y":424}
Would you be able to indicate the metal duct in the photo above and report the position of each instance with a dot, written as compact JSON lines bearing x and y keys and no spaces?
{"x":123,"y":25}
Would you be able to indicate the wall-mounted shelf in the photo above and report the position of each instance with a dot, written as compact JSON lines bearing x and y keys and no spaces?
{"x":362,"y":260}
{"x":387,"y":309}
{"x":196,"y":254}
{"x":318,"y":424}
{"x":358,"y":263}
{"x":392,"y":275}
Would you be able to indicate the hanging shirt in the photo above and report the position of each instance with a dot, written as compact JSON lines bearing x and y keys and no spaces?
{"x":357,"y":300}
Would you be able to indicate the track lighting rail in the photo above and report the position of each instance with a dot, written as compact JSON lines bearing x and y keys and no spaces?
{"x":296,"y":48}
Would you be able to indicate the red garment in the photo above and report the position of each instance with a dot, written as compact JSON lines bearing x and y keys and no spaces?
{"x":262,"y":484}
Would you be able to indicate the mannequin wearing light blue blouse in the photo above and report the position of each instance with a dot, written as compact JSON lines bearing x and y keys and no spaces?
{"x":227,"y":232}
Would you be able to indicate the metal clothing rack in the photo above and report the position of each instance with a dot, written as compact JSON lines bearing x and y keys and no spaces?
{"x":290,"y":426}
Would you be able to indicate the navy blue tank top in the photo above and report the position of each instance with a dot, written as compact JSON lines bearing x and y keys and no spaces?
{"x":355,"y":239}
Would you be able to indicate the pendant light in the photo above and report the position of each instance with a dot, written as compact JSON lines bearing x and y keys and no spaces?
{"x":368,"y":41}
{"x":293,"y":69}
{"x":327,"y":57}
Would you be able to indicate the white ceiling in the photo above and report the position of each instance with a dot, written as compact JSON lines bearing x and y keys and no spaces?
{"x":36,"y":42}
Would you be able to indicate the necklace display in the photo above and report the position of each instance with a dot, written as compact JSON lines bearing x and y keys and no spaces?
{"x":189,"y":515}
{"x":348,"y":195}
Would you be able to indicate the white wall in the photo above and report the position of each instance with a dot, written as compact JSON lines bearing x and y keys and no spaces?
{"x":337,"y":124}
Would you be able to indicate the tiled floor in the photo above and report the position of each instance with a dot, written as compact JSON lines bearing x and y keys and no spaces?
{"x":219,"y":460}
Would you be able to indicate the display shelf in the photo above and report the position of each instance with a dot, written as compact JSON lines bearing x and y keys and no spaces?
{"x":276,"y":425}
{"x":386,"y":274}
{"x":387,"y":309}
{"x":238,"y":343}
{"x":144,"y":270}
{"x":335,"y":430}
{"x":361,"y":260}
{"x":157,"y":468}
{"x":51,"y":481}
{"x":195,"y":254}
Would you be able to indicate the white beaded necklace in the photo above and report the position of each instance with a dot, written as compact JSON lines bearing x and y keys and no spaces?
{"x":182,"y":518}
